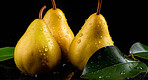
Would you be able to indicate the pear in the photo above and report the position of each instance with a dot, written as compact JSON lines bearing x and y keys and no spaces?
{"x":37,"y":51}
{"x":57,"y":24}
{"x":93,"y":35}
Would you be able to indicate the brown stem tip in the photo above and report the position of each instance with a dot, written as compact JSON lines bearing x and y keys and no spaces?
{"x":41,"y":11}
{"x":53,"y":4}
{"x":99,"y":6}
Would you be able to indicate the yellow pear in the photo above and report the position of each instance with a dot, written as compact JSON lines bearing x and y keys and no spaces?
{"x":37,"y":51}
{"x":59,"y":28}
{"x":93,"y":35}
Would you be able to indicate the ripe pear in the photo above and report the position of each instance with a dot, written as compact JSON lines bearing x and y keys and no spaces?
{"x":37,"y":51}
{"x":93,"y":35}
{"x":59,"y":28}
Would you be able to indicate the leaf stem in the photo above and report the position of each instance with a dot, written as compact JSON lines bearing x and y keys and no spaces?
{"x":41,"y":11}
{"x":134,"y":57}
{"x":99,"y":6}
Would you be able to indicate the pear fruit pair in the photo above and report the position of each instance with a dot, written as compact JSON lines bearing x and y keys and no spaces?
{"x":93,"y":35}
{"x":38,"y":51}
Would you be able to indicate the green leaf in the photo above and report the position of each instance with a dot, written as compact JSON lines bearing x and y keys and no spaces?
{"x":6,"y":53}
{"x":109,"y":63}
{"x":139,"y":50}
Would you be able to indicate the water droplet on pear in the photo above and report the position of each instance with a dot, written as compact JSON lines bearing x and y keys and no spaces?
{"x":40,"y":50}
{"x":79,"y":41}
{"x":41,"y":29}
{"x":46,"y":49}
{"x":81,"y":34}
{"x":59,"y":16}
{"x":67,"y":32}
{"x":66,"y":36}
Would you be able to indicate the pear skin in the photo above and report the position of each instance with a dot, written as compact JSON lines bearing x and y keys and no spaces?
{"x":93,"y":36}
{"x":37,"y":51}
{"x":60,"y":29}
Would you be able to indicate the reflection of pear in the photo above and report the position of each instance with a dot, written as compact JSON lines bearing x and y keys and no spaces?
{"x":59,"y":28}
{"x":93,"y":36}
{"x":37,"y":51}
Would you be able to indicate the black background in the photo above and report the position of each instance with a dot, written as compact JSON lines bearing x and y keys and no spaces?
{"x":127,"y":20}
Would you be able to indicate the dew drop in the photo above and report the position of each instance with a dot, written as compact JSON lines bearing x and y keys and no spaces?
{"x":64,"y":65}
{"x":122,"y":73}
{"x":45,"y":30}
{"x":60,"y":28}
{"x":79,"y":40}
{"x":81,"y":34}
{"x":50,"y":43}
{"x":67,"y":32}
{"x":140,"y":68}
{"x":66,"y":36}
{"x":40,"y":51}
{"x":46,"y":46}
{"x":100,"y":36}
{"x":59,"y":17}
{"x":44,"y":54}
{"x":36,"y":75}
{"x":41,"y":29}
{"x":46,"y":49}
{"x":100,"y":77}
{"x":97,"y":46}
{"x":99,"y":41}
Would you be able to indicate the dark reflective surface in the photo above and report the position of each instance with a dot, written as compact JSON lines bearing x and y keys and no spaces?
{"x":9,"y":71}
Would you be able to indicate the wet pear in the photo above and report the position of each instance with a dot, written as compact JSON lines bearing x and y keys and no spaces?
{"x":59,"y":28}
{"x":37,"y":51}
{"x":93,"y":35}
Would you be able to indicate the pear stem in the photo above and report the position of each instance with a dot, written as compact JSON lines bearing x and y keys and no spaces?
{"x":53,"y":4}
{"x":99,"y":6}
{"x":41,"y":11}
